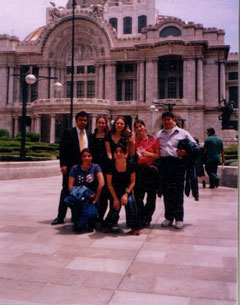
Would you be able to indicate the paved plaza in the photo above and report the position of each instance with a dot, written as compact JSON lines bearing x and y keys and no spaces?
{"x":43,"y":264}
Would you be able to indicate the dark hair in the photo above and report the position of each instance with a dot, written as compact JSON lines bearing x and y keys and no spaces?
{"x":82,"y":114}
{"x":83,"y":151}
{"x":211,"y":130}
{"x":123,"y":148}
{"x":139,"y":122}
{"x":106,"y":129}
{"x":197,"y":141}
{"x":168,"y":113}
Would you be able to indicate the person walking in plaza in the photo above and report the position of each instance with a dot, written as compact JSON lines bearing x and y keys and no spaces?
{"x":213,"y":151}
{"x":147,"y":149}
{"x":90,"y":175}
{"x":121,"y":178}
{"x":172,"y":168}
{"x":73,"y":141}
{"x":99,"y":153}
{"x":199,"y":165}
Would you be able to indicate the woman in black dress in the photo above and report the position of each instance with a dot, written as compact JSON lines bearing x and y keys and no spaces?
{"x":98,"y":149}
{"x":121,"y":178}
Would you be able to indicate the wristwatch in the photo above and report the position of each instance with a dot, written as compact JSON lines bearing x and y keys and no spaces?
{"x":127,"y":191}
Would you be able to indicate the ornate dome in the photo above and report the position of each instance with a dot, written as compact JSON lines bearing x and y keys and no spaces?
{"x":35,"y":34}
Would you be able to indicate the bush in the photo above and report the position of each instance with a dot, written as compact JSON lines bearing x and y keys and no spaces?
{"x":30,"y":136}
{"x":43,"y":147}
{"x":4,"y":134}
{"x":6,"y":149}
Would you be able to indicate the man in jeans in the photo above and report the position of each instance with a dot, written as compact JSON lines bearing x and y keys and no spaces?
{"x":213,"y":148}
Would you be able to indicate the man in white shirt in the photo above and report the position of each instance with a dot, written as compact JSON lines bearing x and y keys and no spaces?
{"x":73,"y":141}
{"x":172,"y":169}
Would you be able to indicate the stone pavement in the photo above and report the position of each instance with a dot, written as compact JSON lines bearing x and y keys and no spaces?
{"x":43,"y":264}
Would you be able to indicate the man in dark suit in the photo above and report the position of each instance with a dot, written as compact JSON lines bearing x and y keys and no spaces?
{"x":73,"y":141}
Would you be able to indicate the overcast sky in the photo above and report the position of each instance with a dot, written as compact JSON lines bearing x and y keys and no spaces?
{"x":20,"y":17}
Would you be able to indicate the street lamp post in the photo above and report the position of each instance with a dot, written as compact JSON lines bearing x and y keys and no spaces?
{"x":30,"y":79}
{"x":72,"y":72}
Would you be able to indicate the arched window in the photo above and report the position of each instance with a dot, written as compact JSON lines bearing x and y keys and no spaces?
{"x":170,"y":77}
{"x":170,"y":30}
{"x":114,"y":23}
{"x":142,"y":22}
{"x":127,"y":25}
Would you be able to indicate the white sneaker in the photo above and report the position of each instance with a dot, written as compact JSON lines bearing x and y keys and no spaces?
{"x":179,"y":225}
{"x":166,"y":223}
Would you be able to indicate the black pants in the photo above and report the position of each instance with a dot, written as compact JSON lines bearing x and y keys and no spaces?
{"x":172,"y":172}
{"x":62,"y":207}
{"x":191,"y":181}
{"x":211,"y":169}
{"x":145,"y":184}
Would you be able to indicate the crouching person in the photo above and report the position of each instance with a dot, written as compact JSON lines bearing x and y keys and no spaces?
{"x":85,"y":185}
{"x":121,"y":178}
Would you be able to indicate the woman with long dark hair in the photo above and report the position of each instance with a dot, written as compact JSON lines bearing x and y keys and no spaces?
{"x":99,"y":153}
{"x":86,"y":174}
{"x":119,"y":134}
{"x":121,"y":178}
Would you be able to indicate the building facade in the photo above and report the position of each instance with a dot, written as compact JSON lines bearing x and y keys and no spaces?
{"x":127,"y":57}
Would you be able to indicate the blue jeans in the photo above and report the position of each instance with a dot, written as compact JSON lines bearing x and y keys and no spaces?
{"x":83,"y":213}
{"x":131,"y":211}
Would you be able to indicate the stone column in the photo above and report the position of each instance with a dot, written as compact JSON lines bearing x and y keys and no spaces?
{"x":37,"y":125}
{"x":16,"y":122}
{"x":100,"y":82}
{"x":151,"y":80}
{"x":52,"y":128}
{"x":200,"y":79}
{"x":52,"y":81}
{"x":110,"y":81}
{"x":3,"y":86}
{"x":43,"y":84}
{"x":141,"y":82}
{"x":189,"y":78}
{"x":93,"y":123}
{"x":10,"y":86}
{"x":120,"y":26}
{"x":222,"y":81}
{"x":17,"y":85}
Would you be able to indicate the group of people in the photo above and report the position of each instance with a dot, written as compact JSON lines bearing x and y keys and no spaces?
{"x":114,"y":168}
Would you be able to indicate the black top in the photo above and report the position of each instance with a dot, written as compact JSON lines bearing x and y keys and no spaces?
{"x":99,"y":153}
{"x":109,"y":139}
{"x":69,"y":152}
{"x":121,"y":180}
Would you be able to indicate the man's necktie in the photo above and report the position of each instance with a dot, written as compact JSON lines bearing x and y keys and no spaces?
{"x":81,"y":141}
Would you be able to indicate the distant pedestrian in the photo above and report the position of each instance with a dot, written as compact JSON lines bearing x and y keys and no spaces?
{"x":199,"y":165}
{"x":172,"y":168}
{"x":213,"y":151}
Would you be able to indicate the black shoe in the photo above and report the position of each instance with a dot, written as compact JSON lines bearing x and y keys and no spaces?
{"x":57,"y":221}
{"x":217,"y":182}
{"x":204,"y":184}
{"x":77,"y":230}
{"x":211,"y":187}
{"x":196,"y":198}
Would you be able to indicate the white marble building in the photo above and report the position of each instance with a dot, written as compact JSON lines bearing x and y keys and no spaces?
{"x":126,"y":58}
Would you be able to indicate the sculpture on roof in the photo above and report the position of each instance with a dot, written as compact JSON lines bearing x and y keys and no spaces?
{"x":54,"y":12}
